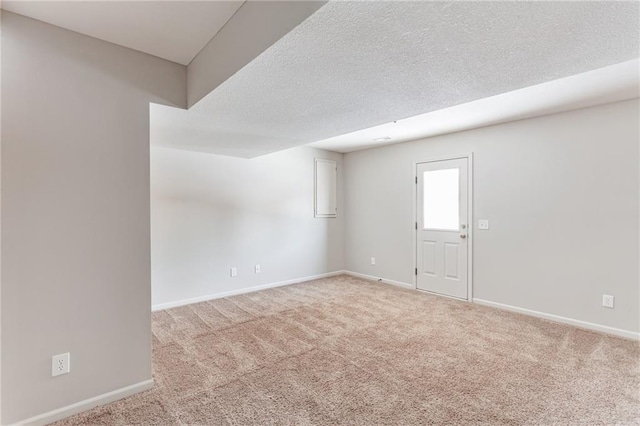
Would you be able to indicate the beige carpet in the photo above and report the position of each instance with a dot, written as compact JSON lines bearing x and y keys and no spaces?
{"x":348,"y":351}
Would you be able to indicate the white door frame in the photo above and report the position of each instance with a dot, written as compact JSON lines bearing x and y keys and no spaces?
{"x":470,"y":225}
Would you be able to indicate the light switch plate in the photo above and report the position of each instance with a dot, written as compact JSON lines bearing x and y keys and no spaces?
{"x":233,"y":272}
{"x":483,"y":224}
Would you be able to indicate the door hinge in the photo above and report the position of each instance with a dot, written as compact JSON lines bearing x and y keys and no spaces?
{"x":416,"y":225}
{"x":416,"y":271}
{"x":416,"y":180}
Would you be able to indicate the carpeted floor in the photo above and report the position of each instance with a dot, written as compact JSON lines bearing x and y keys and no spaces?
{"x":347,"y":351}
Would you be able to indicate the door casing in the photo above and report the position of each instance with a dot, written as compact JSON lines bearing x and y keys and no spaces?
{"x":470,"y":227}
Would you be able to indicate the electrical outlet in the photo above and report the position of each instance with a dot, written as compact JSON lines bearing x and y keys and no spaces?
{"x":373,"y":260}
{"x":60,"y":364}
{"x":607,"y":301}
{"x":257,"y":269}
{"x":483,"y":224}
{"x":234,"y":272}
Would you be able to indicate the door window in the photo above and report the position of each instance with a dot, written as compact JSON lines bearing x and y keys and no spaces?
{"x":441,"y":199}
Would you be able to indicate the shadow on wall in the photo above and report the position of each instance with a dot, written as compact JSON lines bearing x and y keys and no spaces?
{"x":120,"y":64}
{"x":210,"y":213}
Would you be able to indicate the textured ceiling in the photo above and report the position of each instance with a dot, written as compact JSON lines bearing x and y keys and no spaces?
{"x":354,"y":65}
{"x":614,"y":83}
{"x":173,"y":30}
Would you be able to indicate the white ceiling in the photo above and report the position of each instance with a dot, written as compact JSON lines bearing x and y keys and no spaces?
{"x":605,"y":85}
{"x":173,"y":30}
{"x":354,"y":65}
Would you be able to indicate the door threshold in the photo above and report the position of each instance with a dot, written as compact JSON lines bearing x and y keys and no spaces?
{"x":444,"y":295}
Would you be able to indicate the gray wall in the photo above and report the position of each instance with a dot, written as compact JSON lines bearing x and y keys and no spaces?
{"x":561,"y":192}
{"x":254,"y":27}
{"x":209,"y":213}
{"x":75,"y":213}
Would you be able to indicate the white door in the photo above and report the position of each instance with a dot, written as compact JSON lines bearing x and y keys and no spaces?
{"x":442,"y":225}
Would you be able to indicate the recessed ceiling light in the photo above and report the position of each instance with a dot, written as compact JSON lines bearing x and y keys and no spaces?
{"x":382,"y":139}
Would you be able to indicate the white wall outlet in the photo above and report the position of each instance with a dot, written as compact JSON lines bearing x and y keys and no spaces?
{"x":607,"y":301}
{"x":257,"y":269}
{"x":60,"y":364}
{"x":483,"y":224}
{"x":373,"y":260}
{"x":234,"y":272}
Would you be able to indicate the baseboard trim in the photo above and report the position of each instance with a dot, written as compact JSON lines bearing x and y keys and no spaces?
{"x":557,"y":318}
{"x":382,"y":280}
{"x":183,"y":302}
{"x":627,"y":334}
{"x":87,"y":404}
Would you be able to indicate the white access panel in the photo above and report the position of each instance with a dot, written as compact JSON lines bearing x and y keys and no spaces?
{"x":326,"y":181}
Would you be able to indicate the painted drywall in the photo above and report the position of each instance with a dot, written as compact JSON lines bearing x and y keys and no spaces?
{"x":172,"y":30}
{"x":356,"y":64}
{"x":75,"y":213}
{"x":254,"y":27}
{"x":210,"y":213}
{"x":561,"y":194}
{"x":614,"y":83}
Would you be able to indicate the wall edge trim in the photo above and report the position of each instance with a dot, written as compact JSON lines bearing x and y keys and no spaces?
{"x":220,"y":295}
{"x":382,"y":280}
{"x":628,"y":334}
{"x":87,"y":404}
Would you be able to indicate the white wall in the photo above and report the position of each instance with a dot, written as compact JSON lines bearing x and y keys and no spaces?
{"x":562,"y":195}
{"x":254,"y":27}
{"x":210,"y":213}
{"x":75,"y":213}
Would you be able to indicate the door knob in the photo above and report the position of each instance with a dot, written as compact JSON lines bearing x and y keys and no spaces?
{"x":463,"y":236}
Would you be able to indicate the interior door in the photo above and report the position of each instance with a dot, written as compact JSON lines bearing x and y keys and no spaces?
{"x":442,"y":225}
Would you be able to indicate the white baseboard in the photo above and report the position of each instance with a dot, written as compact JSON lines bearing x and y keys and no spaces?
{"x":87,"y":404}
{"x":557,"y":318}
{"x":222,"y":294}
{"x":578,"y":323}
{"x":382,"y":280}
